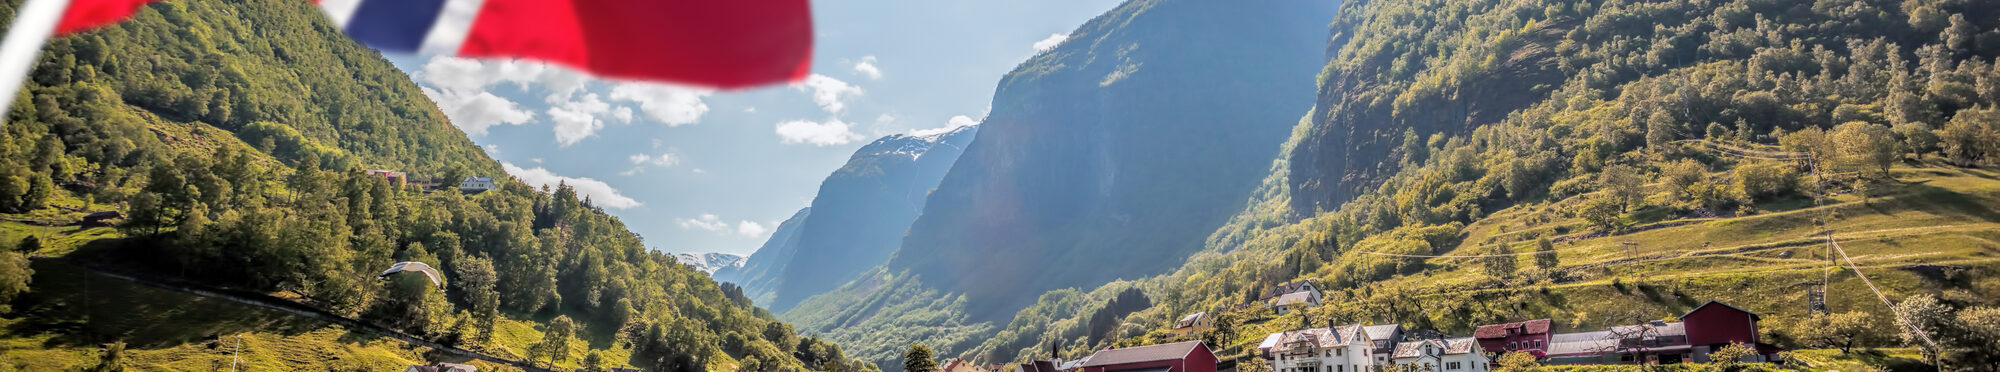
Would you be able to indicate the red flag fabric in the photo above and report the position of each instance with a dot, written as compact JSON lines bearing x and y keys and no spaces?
{"x":88,"y":14}
{"x":726,"y":44}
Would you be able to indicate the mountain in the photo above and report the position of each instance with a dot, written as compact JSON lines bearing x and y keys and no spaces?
{"x":858,"y":217}
{"x":1113,"y":154}
{"x":712,"y":261}
{"x":232,"y":137}
{"x":1110,"y":156}
{"x":1609,"y":163}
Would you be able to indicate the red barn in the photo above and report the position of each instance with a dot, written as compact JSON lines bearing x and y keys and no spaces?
{"x":1714,"y":325}
{"x":1530,"y":336}
{"x":1190,"y":356}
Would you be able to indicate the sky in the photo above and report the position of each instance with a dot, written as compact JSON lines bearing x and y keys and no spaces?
{"x":695,"y":170}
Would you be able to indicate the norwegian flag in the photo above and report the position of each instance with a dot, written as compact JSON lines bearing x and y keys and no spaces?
{"x":724,"y":44}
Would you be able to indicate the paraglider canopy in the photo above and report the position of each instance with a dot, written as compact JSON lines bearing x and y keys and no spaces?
{"x":429,"y":273}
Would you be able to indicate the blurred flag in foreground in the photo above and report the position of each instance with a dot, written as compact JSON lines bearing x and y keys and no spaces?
{"x":724,"y":44}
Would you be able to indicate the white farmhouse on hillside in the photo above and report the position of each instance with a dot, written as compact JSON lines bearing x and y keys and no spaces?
{"x":1335,"y":349}
{"x":1440,"y":355}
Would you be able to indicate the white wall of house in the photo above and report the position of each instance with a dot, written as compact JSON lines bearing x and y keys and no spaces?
{"x":1354,"y":356}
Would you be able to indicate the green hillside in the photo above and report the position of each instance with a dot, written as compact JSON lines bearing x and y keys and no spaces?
{"x":232,"y":136}
{"x":1456,"y":128}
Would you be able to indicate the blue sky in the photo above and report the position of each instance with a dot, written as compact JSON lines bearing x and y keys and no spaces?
{"x":701,"y":171}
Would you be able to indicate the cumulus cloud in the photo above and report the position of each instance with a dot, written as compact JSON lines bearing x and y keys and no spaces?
{"x":827,"y":133}
{"x":465,"y":74}
{"x":1050,"y":43}
{"x":641,"y":161}
{"x":956,"y":122}
{"x":831,"y":94}
{"x":711,"y":222}
{"x":492,"y":149}
{"x":866,"y":67}
{"x":672,"y":105}
{"x":577,"y":120}
{"x":600,"y":193}
{"x":475,"y":111}
{"x":708,"y":222}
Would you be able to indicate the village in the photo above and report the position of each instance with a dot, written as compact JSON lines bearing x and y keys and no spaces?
{"x":1713,"y":332}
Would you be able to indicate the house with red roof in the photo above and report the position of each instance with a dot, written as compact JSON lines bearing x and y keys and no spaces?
{"x":1529,"y":336}
{"x":1189,"y":356}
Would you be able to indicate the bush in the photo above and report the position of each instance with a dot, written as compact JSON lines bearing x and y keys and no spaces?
{"x":1765,"y":179}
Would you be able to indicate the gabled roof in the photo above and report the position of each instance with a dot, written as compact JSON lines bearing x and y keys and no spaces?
{"x":1287,"y":287}
{"x":1293,"y":298}
{"x":1532,"y":327}
{"x":1583,"y":343}
{"x":1381,"y":332}
{"x":1657,"y":330}
{"x":1453,"y":346}
{"x":1140,"y":354}
{"x":1190,"y":319}
{"x":1753,"y":314}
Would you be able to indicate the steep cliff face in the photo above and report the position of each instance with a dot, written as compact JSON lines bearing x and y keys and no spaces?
{"x":858,"y":218}
{"x":1113,"y":154}
{"x":1373,"y":95}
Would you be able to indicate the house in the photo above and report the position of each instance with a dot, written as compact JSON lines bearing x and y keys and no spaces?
{"x":477,"y":184}
{"x":1701,"y":331}
{"x":1441,"y":355}
{"x":1529,"y":336}
{"x":1382,"y":339}
{"x":1284,"y":295}
{"x":1193,"y":323}
{"x":441,"y":367}
{"x":100,"y":218}
{"x":1715,"y":325}
{"x":1188,"y":356}
{"x":395,"y":178}
{"x":1040,"y":366}
{"x":1333,"y":349}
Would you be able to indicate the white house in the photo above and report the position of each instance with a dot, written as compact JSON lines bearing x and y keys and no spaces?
{"x":477,"y":184}
{"x":1440,"y":355}
{"x":1334,"y":349}
{"x":1283,"y":296}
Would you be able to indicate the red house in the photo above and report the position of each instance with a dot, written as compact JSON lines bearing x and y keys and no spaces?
{"x":1714,"y":325}
{"x":1530,"y":336}
{"x":1190,"y":356}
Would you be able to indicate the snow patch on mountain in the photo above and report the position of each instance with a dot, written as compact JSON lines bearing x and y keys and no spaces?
{"x":710,"y":262}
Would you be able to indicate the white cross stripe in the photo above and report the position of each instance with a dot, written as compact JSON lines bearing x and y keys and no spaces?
{"x":340,"y":11}
{"x":453,"y":24}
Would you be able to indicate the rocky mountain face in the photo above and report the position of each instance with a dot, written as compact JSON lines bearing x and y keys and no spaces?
{"x":1115,"y":153}
{"x":857,"y":219}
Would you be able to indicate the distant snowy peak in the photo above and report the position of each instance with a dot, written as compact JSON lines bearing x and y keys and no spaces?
{"x":710,"y":262}
{"x":915,"y":144}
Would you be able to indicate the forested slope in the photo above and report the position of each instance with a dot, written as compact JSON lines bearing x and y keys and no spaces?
{"x":1472,"y":162}
{"x":232,"y":135}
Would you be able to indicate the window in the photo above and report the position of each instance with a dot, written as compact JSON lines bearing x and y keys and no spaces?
{"x":1339,"y":352}
{"x":1453,"y":366}
{"x":1538,"y":344}
{"x":1343,"y":368}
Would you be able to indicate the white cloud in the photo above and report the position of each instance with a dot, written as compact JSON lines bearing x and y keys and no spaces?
{"x":672,"y":105}
{"x":536,"y":160}
{"x":828,"y":133}
{"x":474,"y":112}
{"x":866,"y":67}
{"x":708,"y":222}
{"x":750,"y":109}
{"x":956,"y":122}
{"x":711,"y":222}
{"x":466,"y":75}
{"x":624,"y":114}
{"x":1050,"y":43}
{"x":492,"y":149}
{"x":600,"y":193}
{"x":699,"y":171}
{"x":750,"y":229}
{"x":577,"y":120}
{"x":662,"y":160}
{"x":884,"y":119}
{"x":830,"y":93}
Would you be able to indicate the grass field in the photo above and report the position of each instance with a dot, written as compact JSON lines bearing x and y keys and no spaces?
{"x":71,"y":313}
